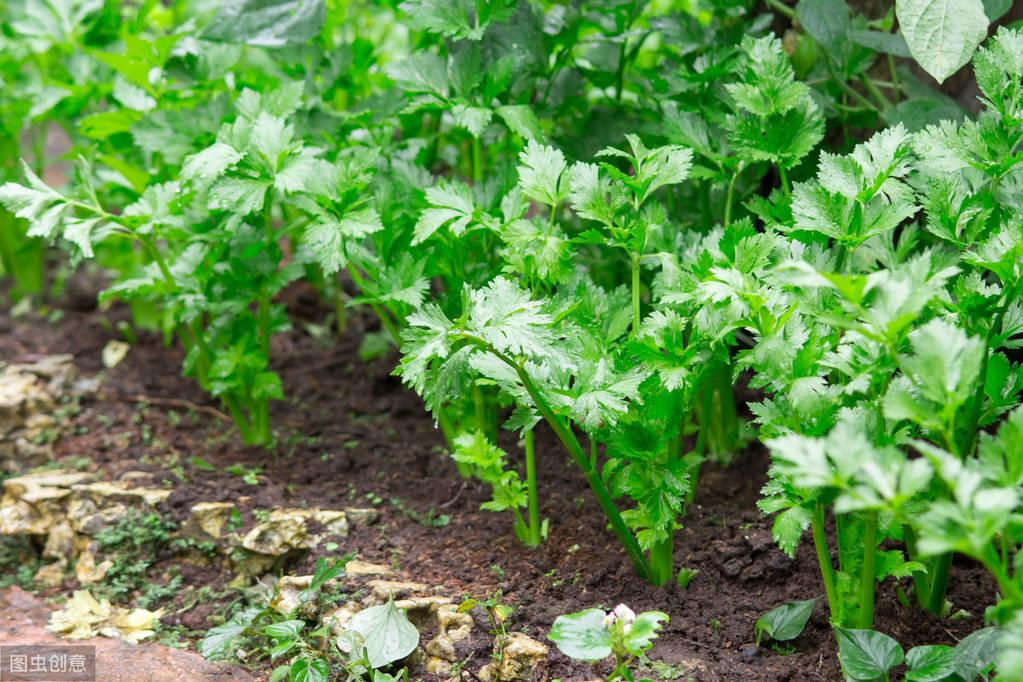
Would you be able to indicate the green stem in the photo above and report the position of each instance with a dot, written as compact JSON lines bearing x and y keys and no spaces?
{"x":896,"y":85}
{"x":636,"y":313}
{"x":874,"y":92}
{"x":446,"y":428}
{"x":921,"y":586}
{"x":205,"y":360}
{"x":531,"y":489}
{"x":783,"y":176}
{"x":781,"y":8}
{"x":969,"y":435}
{"x":477,"y":160}
{"x":868,"y":570}
{"x":480,"y":409}
{"x":820,"y":543}
{"x":264,"y":299}
{"x":694,"y":479}
{"x":718,"y":418}
{"x":21,"y":257}
{"x":571,"y":443}
{"x":662,"y":560}
{"x":843,"y":251}
{"x":939,"y":570}
{"x":730,"y":194}
{"x":340,"y":314}
{"x":940,"y":567}
{"x":848,"y":89}
{"x":382,"y":314}
{"x":1006,"y":585}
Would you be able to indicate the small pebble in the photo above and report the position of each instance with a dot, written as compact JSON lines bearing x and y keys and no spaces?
{"x":749,"y":651}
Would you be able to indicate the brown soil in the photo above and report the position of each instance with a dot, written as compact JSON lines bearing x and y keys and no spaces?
{"x":23,"y":620}
{"x":350,"y":430}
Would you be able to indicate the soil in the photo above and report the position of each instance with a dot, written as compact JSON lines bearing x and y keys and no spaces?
{"x":23,"y":620}
{"x":351,"y":435}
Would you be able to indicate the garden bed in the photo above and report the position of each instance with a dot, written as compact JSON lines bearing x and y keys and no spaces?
{"x":351,"y":435}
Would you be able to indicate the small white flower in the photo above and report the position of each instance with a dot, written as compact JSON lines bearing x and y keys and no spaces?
{"x":624,"y":613}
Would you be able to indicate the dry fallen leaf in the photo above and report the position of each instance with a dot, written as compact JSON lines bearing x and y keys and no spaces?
{"x":83,"y":617}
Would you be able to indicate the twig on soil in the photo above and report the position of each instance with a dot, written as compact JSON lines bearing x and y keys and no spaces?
{"x":455,"y":498}
{"x":179,"y":403}
{"x":538,"y":571}
{"x":820,"y":664}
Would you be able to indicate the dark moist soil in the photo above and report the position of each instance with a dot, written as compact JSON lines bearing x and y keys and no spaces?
{"x":351,"y":435}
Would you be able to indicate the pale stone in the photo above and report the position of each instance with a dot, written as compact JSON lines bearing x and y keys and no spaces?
{"x":453,"y":627}
{"x":420,"y":610}
{"x":252,"y":564}
{"x":520,"y":654}
{"x":340,"y":619}
{"x":362,"y":516}
{"x":209,"y":519}
{"x":88,"y":571}
{"x":87,"y":519}
{"x":60,"y":541}
{"x":102,"y":490}
{"x":285,"y":530}
{"x":289,"y":587}
{"x":278,"y":535}
{"x":357,"y":569}
{"x":45,"y":485}
{"x":39,"y":422}
{"x":51,"y":575}
{"x":27,"y":455}
{"x":455,"y":624}
{"x":382,"y":590}
{"x":333,"y":522}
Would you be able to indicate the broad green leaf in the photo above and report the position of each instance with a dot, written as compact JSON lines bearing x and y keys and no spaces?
{"x":267,"y":23}
{"x":867,"y":654}
{"x":211,"y":162}
{"x":44,"y":23}
{"x":582,"y":636}
{"x":541,"y":173}
{"x":879,"y":41}
{"x":1010,"y":649}
{"x":521,"y":120}
{"x":40,"y":205}
{"x":473,"y":119}
{"x":284,"y":629}
{"x":222,"y":639}
{"x":386,"y":633}
{"x":942,"y":34}
{"x":451,"y":205}
{"x":79,"y":232}
{"x":826,"y":20}
{"x":327,"y":237}
{"x":421,"y":72}
{"x":104,"y":124}
{"x":457,"y":18}
{"x":486,"y":461}
{"x":785,"y":622}
{"x":930,"y":664}
{"x":789,"y":527}
{"x":643,"y":631}
{"x":996,"y":9}
{"x":975,"y":654}
{"x":309,"y":670}
{"x":240,"y":196}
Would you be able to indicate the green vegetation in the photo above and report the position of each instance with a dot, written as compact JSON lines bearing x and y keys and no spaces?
{"x":590,"y":219}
